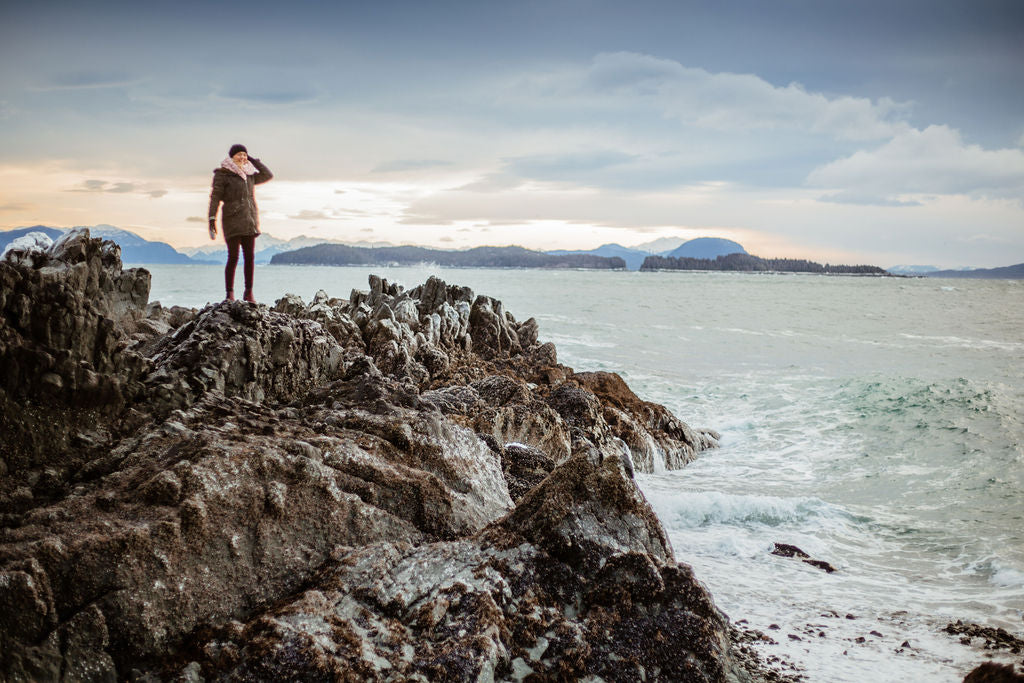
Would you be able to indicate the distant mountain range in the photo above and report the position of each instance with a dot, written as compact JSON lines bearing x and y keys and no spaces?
{"x":478,"y":257}
{"x":911,"y":270}
{"x":701,"y":247}
{"x":631,"y":257}
{"x":706,"y":247}
{"x":1005,"y":273}
{"x":138,"y":250}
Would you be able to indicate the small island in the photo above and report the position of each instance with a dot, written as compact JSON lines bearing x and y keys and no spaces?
{"x":748,"y":263}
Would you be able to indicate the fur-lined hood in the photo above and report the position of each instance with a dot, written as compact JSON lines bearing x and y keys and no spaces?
{"x":246,"y":170}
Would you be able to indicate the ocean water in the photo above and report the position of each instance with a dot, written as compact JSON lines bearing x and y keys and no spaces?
{"x":876,"y":423}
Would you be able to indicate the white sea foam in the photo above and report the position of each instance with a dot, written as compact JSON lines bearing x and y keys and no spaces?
{"x":705,"y":508}
{"x":1008,"y":577}
{"x":964,"y":343}
{"x":1000,"y":573}
{"x":578,"y":340}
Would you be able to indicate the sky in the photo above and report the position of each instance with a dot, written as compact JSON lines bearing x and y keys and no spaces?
{"x":869,"y":132}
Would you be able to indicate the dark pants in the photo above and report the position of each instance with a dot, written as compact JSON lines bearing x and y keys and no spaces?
{"x":248,"y":245}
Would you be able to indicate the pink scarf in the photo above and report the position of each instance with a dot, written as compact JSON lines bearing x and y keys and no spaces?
{"x":246,"y":170}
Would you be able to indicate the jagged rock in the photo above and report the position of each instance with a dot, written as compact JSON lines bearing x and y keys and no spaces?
{"x":403,"y":485}
{"x":560,"y":591}
{"x":649,"y":429}
{"x":994,"y":638}
{"x":60,"y":322}
{"x":235,"y":349}
{"x":524,"y":467}
{"x":493,"y":328}
{"x":24,"y":250}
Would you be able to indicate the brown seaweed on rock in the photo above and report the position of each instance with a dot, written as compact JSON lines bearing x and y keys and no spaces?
{"x":403,"y":485}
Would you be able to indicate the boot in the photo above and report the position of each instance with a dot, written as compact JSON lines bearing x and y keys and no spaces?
{"x":230,"y":296}
{"x":249,"y":297}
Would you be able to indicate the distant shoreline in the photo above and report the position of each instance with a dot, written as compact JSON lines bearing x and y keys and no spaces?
{"x":576,"y":269}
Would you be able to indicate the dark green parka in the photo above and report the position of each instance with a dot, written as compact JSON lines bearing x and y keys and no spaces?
{"x":240,"y":215}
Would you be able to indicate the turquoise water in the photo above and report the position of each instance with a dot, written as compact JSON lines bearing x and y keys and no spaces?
{"x":877,"y":423}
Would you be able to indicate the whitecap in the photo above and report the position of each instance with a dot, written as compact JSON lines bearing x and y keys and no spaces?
{"x":579,"y":340}
{"x":1006,"y":576}
{"x":691,"y":509}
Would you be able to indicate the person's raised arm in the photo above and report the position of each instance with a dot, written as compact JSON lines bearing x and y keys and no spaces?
{"x":264,"y":173}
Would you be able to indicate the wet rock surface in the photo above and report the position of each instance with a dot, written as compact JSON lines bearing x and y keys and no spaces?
{"x":991,"y":641}
{"x":990,"y":672}
{"x":787,"y":550}
{"x":401,"y":485}
{"x":992,"y":638}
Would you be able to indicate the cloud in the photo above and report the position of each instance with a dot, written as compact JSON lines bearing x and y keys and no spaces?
{"x":88,"y":80}
{"x":865,"y":200}
{"x":493,"y":182}
{"x":716,"y":101}
{"x":91,"y":186}
{"x":119,"y":187}
{"x":196,"y":219}
{"x":933,"y":161}
{"x":401,"y":165}
{"x":626,"y":120}
{"x":567,"y":166}
{"x":271,"y":89}
{"x":270,"y":97}
{"x":15,"y":206}
{"x":310,"y":215}
{"x":412,"y":217}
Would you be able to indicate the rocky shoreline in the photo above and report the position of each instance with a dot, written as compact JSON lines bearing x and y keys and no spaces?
{"x":401,"y":485}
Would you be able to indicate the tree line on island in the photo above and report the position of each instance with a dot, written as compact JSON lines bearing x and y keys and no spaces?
{"x":478,"y":257}
{"x":747,"y":263}
{"x":519,"y":257}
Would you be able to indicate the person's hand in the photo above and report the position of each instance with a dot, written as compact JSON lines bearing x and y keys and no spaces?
{"x":213,"y":230}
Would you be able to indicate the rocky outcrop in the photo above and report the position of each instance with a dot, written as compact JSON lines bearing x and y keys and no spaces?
{"x":403,"y":485}
{"x":565,"y":587}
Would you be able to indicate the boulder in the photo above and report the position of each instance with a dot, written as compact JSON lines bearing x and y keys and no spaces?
{"x":562,"y":588}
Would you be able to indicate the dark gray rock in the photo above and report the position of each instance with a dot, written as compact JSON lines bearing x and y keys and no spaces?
{"x":403,"y":485}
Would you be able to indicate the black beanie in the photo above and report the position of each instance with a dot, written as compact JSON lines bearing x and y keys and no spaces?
{"x":235,"y":149}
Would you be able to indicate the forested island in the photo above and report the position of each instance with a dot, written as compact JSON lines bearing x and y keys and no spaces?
{"x":479,"y":257}
{"x":747,"y":263}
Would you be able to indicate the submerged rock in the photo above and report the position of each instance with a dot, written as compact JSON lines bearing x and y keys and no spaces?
{"x":403,"y":485}
{"x":787,"y":550}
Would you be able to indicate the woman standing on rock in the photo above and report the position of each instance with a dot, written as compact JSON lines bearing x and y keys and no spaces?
{"x":234,"y":184}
